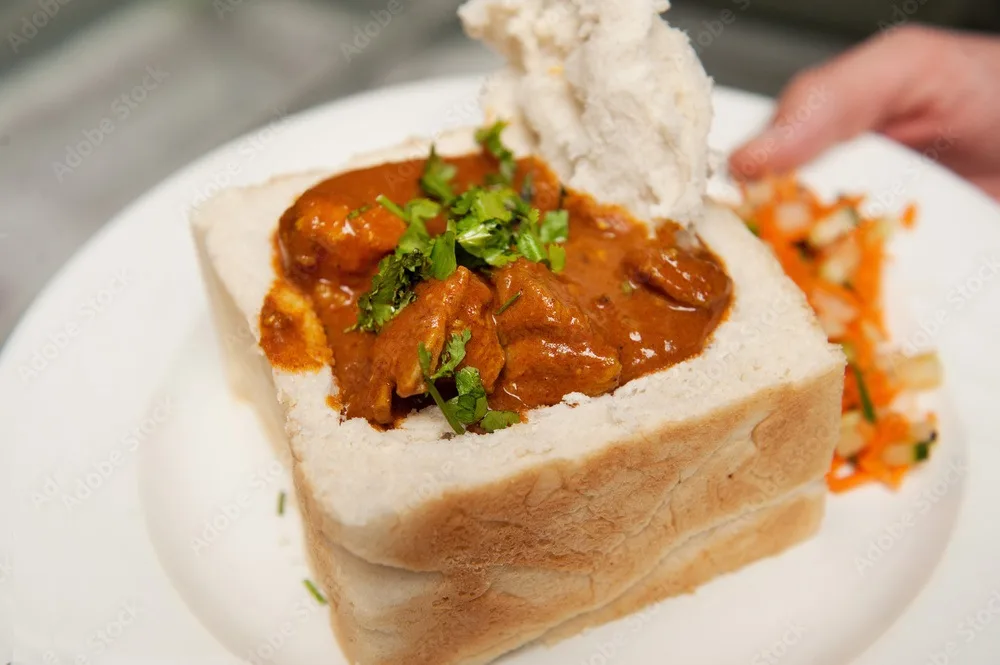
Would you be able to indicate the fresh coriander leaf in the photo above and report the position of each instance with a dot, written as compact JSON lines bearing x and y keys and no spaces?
{"x":314,"y":592}
{"x":454,"y":352}
{"x":468,"y":382}
{"x":436,"y":178}
{"x":392,"y":289}
{"x":424,"y":357}
{"x":281,"y":503}
{"x":422,"y":209}
{"x":497,"y":420}
{"x":358,"y":211}
{"x":528,"y":187}
{"x":467,"y":409}
{"x":867,"y":408}
{"x":415,"y":238}
{"x":510,"y":301}
{"x":392,"y":207}
{"x":555,"y":226}
{"x":921,"y":451}
{"x":489,"y":138}
{"x":529,"y":244}
{"x":557,"y":257}
{"x":470,"y":404}
{"x":443,"y":261}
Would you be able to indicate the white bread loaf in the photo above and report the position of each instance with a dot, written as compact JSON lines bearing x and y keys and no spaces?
{"x":454,"y":551}
{"x":614,"y":98}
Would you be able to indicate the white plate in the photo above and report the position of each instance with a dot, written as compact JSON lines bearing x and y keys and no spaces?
{"x":137,"y":508}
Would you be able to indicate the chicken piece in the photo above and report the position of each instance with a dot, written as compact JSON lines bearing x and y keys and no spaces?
{"x":679,"y":274}
{"x":551,"y":344}
{"x":336,"y":234}
{"x":441,"y":309}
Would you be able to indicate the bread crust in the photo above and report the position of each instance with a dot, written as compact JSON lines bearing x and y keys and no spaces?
{"x":602,"y":526}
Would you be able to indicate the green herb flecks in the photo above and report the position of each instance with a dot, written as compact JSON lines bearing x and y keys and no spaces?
{"x":489,"y":138}
{"x":469,"y":406}
{"x":555,"y":226}
{"x":314,"y":592}
{"x":424,"y":357}
{"x":867,"y":408}
{"x":510,"y":301}
{"x":281,"y":503}
{"x":497,"y":420}
{"x":357,"y":212}
{"x":436,"y":178}
{"x":392,"y":289}
{"x":627,"y":287}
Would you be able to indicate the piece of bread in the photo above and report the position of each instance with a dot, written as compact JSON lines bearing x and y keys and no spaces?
{"x":436,"y":550}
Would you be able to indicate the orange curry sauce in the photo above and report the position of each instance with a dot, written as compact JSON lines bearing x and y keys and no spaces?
{"x":625,"y":305}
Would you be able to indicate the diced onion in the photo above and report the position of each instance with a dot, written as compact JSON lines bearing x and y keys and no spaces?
{"x":759,"y":192}
{"x":920,"y":372}
{"x":840,"y":264}
{"x":854,"y":431}
{"x":792,"y":217}
{"x":832,"y":227}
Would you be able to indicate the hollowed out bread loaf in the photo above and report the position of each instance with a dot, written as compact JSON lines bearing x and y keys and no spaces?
{"x":437,"y":550}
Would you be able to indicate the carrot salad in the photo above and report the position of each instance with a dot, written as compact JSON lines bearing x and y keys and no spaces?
{"x":836,"y":255}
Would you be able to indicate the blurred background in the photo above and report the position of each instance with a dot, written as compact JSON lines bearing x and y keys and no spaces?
{"x":210,"y":70}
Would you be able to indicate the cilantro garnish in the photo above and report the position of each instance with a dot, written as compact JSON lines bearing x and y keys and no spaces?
{"x":391,"y":290}
{"x":557,"y":258}
{"x":436,"y":178}
{"x":510,"y":301}
{"x":555,"y":226}
{"x":489,"y":138}
{"x":469,"y":406}
{"x":867,"y":408}
{"x":487,"y":227}
{"x":357,"y":212}
{"x":497,"y":420}
{"x":454,"y":353}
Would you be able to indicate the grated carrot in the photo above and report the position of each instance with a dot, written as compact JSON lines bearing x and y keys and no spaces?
{"x":860,"y":298}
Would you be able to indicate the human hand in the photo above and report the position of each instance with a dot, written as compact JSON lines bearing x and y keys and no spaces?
{"x":936,"y":91}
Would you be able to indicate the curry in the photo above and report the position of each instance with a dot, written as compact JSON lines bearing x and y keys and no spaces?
{"x":509,"y":329}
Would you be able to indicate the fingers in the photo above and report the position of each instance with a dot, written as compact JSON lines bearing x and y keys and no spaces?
{"x":862,"y":90}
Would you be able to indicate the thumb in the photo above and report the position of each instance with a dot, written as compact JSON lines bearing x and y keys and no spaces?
{"x":858,"y":91}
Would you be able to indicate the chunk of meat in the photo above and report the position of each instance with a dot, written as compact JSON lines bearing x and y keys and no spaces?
{"x":337,"y":234}
{"x":552,"y":346}
{"x":679,"y":274}
{"x":441,"y":309}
